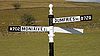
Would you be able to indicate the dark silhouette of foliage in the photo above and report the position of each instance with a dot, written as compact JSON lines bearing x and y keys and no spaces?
{"x":17,"y":5}
{"x":27,"y":20}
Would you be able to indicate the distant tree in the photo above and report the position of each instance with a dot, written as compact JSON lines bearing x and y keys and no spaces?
{"x":27,"y":20}
{"x":17,"y":5}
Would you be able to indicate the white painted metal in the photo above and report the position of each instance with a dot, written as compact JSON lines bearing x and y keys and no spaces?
{"x":51,"y":9}
{"x":68,"y":30}
{"x":34,"y":29}
{"x":66,"y":19}
{"x":51,"y":33}
{"x":51,"y":28}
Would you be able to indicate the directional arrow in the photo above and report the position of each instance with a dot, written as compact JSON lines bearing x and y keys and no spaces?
{"x":28,"y":29}
{"x":51,"y":29}
{"x":72,"y":19}
{"x":44,"y":29}
{"x":68,"y":30}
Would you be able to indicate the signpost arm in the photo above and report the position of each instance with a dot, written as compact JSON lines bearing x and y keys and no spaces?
{"x":51,"y":31}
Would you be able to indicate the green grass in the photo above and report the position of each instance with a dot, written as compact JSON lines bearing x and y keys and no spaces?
{"x":15,"y":15}
{"x":24,"y":45}
{"x":77,"y":45}
{"x":36,"y":44}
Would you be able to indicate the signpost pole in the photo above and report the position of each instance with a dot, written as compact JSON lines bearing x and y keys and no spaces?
{"x":51,"y":31}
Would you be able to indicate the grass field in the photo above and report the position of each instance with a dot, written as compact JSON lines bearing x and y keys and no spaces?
{"x":36,"y":44}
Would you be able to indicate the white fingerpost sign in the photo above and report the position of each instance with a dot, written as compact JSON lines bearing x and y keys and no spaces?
{"x":72,"y":19}
{"x":34,"y":29}
{"x":51,"y":29}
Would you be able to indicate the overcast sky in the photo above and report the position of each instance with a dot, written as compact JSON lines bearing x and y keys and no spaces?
{"x":85,"y":0}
